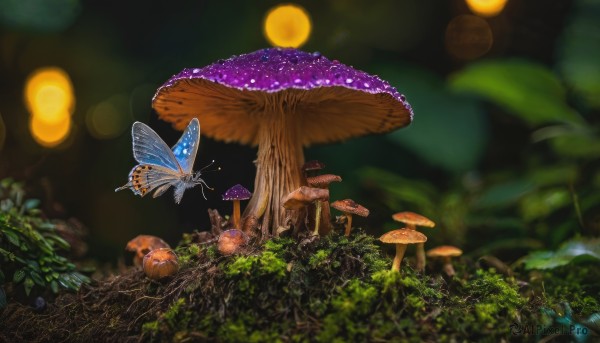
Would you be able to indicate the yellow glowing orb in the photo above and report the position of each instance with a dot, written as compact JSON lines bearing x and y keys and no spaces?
{"x":486,"y":8}
{"x":287,"y":26}
{"x":49,"y":95}
{"x":50,"y":134}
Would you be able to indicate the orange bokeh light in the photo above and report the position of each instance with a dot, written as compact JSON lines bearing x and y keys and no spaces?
{"x":49,"y":95}
{"x":486,"y":8}
{"x":287,"y":26}
{"x":50,"y":134}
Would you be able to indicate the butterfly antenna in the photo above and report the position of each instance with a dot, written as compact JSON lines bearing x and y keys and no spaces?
{"x":211,"y":170}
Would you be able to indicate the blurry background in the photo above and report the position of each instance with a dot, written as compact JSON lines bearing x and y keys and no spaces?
{"x":503,"y":152}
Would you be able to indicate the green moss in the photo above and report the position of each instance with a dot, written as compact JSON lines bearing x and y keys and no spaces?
{"x":338,"y":289}
{"x":319,"y":258}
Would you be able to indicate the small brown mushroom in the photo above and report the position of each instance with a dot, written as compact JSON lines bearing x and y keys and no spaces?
{"x":349,"y":207}
{"x":304,"y":196}
{"x":446,"y":252}
{"x":143,"y":244}
{"x":231,"y":241}
{"x":160,"y":263}
{"x":323,"y":181}
{"x":412,"y":220}
{"x":402,"y":237}
{"x":311,"y":168}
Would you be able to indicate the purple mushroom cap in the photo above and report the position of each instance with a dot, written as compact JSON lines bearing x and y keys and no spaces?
{"x":335,"y":101}
{"x":237,"y":192}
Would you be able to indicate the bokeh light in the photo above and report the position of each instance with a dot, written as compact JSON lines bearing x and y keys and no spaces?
{"x":468,"y":37}
{"x":49,"y":95}
{"x":109,"y":118}
{"x":486,"y":8}
{"x":50,"y":134}
{"x":287,"y":26}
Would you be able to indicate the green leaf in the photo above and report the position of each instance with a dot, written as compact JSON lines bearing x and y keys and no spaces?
{"x":54,"y":286}
{"x":31,"y":204}
{"x":37,"y":278}
{"x":60,"y":242}
{"x":526,"y":89}
{"x":19,"y":275}
{"x":28,"y":284}
{"x":504,"y":194}
{"x":574,"y":251}
{"x":12,"y":237}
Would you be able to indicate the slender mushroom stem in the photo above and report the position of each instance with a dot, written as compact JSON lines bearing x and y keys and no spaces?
{"x":280,"y":157}
{"x":317,"y":218}
{"x":236,"y":214}
{"x":400,"y":250}
{"x":420,"y":255}
{"x":448,"y":268}
{"x":348,"y":224}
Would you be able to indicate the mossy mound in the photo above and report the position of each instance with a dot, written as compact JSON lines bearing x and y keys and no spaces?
{"x":328,"y":289}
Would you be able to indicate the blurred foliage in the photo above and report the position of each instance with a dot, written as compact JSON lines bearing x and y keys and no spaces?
{"x":449,"y":130}
{"x":573,"y":251}
{"x":39,"y":15}
{"x":579,"y":52}
{"x":526,"y":89}
{"x":29,"y":246}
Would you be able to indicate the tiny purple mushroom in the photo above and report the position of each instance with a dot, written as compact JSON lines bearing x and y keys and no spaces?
{"x":236,"y":194}
{"x":280,"y":99}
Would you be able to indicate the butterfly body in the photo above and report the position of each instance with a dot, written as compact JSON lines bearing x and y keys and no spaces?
{"x":160,"y":167}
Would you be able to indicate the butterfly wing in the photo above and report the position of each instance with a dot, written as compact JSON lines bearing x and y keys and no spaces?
{"x":187,"y":147}
{"x":144,"y":178}
{"x":150,"y":149}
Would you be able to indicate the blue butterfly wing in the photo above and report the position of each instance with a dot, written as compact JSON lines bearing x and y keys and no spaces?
{"x":149,"y":148}
{"x":187,"y":147}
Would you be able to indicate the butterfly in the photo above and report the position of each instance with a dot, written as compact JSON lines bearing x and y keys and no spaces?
{"x":159,"y":167}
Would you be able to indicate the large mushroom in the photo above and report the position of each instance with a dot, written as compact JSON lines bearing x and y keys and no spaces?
{"x":280,"y":99}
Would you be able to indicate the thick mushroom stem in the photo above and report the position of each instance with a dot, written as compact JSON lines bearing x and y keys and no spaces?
{"x":278,"y":173}
{"x":348,"y":224}
{"x":400,"y":250}
{"x":420,"y":255}
{"x":448,"y":268}
{"x":319,"y":205}
{"x":236,"y":214}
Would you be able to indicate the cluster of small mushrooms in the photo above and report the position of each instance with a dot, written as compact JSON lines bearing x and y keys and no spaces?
{"x":281,"y":100}
{"x":409,"y":235}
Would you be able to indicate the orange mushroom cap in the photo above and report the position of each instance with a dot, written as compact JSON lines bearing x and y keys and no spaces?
{"x":403,"y":236}
{"x":303,"y":196}
{"x":412,"y":218}
{"x":349,"y":206}
{"x":143,"y":244}
{"x":160,"y":263}
{"x":444,"y":251}
{"x":322,"y":181}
